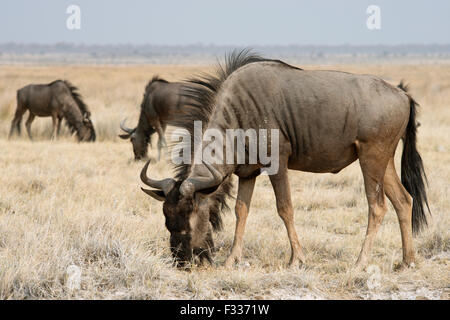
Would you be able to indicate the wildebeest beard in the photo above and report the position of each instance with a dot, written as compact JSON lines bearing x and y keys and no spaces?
{"x":178,"y":211}
{"x":90,"y":135}
{"x":184,"y":254}
{"x":205,"y":253}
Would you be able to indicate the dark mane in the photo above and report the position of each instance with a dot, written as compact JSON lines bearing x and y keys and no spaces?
{"x":77,"y":97}
{"x":143,"y":123}
{"x":147,"y":91}
{"x":200,"y":108}
{"x":202,"y":95}
{"x":155,"y":78}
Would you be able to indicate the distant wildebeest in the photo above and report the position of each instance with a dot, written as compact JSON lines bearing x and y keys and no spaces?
{"x":161,"y":104}
{"x":58,"y":99}
{"x":326,"y":121}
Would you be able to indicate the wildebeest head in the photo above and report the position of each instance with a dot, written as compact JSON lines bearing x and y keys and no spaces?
{"x":89,"y":132}
{"x":138,"y":139}
{"x":187,"y":212}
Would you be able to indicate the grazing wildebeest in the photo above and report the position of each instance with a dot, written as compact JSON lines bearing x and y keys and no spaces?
{"x":161,"y":104}
{"x":58,"y":99}
{"x":326,"y":121}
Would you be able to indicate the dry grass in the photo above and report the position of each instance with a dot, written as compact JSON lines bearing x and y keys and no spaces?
{"x":64,"y":203}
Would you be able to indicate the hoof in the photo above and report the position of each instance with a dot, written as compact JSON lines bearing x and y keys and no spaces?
{"x":359,"y":267}
{"x":296,"y":263}
{"x":231,"y":262}
{"x":404,"y":265}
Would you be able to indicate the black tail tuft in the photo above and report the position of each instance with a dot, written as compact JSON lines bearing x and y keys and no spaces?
{"x":413,"y":173}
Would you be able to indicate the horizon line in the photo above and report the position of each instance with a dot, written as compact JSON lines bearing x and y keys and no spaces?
{"x":219,"y":45}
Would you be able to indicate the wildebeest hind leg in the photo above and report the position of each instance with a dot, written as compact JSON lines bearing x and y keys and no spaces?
{"x":244,"y":196}
{"x":280,"y":184}
{"x":373,"y":162}
{"x":402,"y":202}
{"x":28,"y":124}
{"x":15,"y":124}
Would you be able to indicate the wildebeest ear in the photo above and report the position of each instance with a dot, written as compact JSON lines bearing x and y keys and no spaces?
{"x":156,"y":194}
{"x":125,"y":136}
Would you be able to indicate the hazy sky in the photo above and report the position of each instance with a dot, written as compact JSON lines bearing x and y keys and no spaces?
{"x":226,"y":22}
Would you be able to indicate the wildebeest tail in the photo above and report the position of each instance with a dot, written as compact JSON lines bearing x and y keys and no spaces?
{"x":413,"y":172}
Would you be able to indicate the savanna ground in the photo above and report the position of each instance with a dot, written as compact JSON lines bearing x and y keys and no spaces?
{"x":65,"y":204}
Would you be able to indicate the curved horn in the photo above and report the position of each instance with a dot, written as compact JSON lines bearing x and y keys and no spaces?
{"x":191,"y":185}
{"x":155,"y":194}
{"x":165,"y":185}
{"x":127,"y":130}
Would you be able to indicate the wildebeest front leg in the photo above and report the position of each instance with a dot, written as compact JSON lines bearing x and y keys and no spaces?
{"x":373,"y":164}
{"x":280,"y":184}
{"x":161,"y":139}
{"x":58,"y":130}
{"x":244,"y":196}
{"x":28,"y":124}
{"x":55,"y":120}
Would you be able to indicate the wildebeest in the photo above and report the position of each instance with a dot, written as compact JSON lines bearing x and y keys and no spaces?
{"x":58,"y":99}
{"x":162,"y":103}
{"x":326,"y":120}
